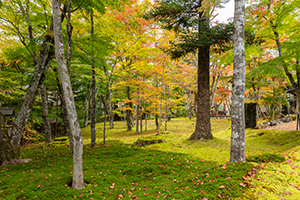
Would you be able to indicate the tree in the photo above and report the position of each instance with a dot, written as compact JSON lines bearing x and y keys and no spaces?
{"x":77,"y":182}
{"x":237,"y":150}
{"x":191,"y":23}
{"x":278,"y":26}
{"x":41,"y":62}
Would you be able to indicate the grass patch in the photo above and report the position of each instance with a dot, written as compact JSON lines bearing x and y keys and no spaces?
{"x":176,"y":169}
{"x":267,"y":157}
{"x":118,"y":171}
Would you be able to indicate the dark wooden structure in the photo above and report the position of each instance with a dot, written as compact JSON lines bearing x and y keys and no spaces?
{"x":250,"y":115}
{"x":4,"y":114}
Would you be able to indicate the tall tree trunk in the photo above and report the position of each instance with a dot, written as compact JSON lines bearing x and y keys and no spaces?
{"x":104,"y":125}
{"x":86,"y":108}
{"x":44,"y":61}
{"x":189,"y":102}
{"x":48,"y":135}
{"x":111,"y":114}
{"x":137,"y":117}
{"x":202,"y":98}
{"x":77,"y":182}
{"x":64,"y":109}
{"x":146,"y":116}
{"x":237,"y":149}
{"x":128,"y":111}
{"x":141,"y":119}
{"x":215,"y":86}
{"x":156,"y":121}
{"x":93,"y":90}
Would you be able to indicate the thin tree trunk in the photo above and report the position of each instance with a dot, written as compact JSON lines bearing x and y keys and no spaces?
{"x":215,"y":88}
{"x":48,"y":135}
{"x":63,"y":108}
{"x":141,"y":122}
{"x":237,"y":149}
{"x":77,"y":182}
{"x":104,"y":125}
{"x":87,"y":105}
{"x":146,"y":116}
{"x":137,"y":118}
{"x":189,"y":105}
{"x":111,"y":114}
{"x":156,"y":121}
{"x":93,"y":90}
{"x":128,"y":111}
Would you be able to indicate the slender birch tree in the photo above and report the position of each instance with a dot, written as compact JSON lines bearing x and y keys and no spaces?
{"x":77,"y":182}
{"x":237,"y":150}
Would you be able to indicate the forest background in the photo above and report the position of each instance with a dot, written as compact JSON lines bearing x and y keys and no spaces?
{"x":119,"y":68}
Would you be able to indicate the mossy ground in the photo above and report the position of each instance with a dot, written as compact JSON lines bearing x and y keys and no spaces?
{"x":177,"y":169}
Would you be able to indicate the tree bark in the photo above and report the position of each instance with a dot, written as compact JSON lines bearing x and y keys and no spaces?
{"x":48,"y":135}
{"x":43,"y":63}
{"x":141,"y":119}
{"x":137,"y":118}
{"x":111,"y":114}
{"x":202,"y":100}
{"x":77,"y":182}
{"x":6,"y":154}
{"x":86,"y":111}
{"x":93,"y":90}
{"x":128,"y":111}
{"x":237,"y":150}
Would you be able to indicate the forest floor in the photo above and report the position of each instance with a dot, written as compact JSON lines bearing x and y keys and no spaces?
{"x":176,"y":169}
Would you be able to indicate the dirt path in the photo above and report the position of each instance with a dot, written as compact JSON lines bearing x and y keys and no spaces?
{"x":284,"y":126}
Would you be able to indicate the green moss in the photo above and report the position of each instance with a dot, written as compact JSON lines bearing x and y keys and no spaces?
{"x":267,"y":157}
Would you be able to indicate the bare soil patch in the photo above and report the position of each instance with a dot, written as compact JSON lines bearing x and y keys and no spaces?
{"x":284,"y":126}
{"x":16,"y":161}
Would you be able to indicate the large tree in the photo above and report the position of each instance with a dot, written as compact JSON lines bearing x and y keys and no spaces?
{"x":278,"y":29}
{"x":75,"y":131}
{"x":191,"y":23}
{"x":23,"y":30}
{"x":237,"y":150}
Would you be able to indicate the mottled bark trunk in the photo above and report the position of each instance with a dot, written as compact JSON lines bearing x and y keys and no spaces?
{"x":5,"y":147}
{"x":64,"y":115}
{"x":202,"y":100}
{"x":156,"y":121}
{"x":141,"y":119}
{"x":189,"y":102}
{"x":146,"y":116}
{"x":77,"y":182}
{"x":104,"y":126}
{"x":111,"y":114}
{"x":86,"y":108}
{"x":43,"y":63}
{"x":128,"y":111}
{"x":47,"y":127}
{"x":137,"y":118}
{"x":214,"y":87}
{"x":237,"y":149}
{"x":93,"y":91}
